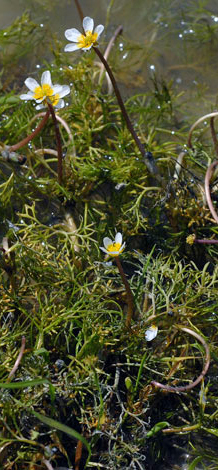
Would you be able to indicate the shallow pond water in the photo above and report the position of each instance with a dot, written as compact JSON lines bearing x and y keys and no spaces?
{"x":176,"y":39}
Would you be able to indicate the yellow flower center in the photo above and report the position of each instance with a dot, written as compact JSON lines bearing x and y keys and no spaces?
{"x":54,"y":99}
{"x":42,"y":92}
{"x":88,"y":39}
{"x":114,"y":247}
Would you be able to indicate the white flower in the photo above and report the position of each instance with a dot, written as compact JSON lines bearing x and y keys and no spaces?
{"x":83,"y":41}
{"x":113,"y":248}
{"x":151,"y":333}
{"x":40,"y":93}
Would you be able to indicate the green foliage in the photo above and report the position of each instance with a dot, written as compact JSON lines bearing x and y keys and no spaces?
{"x":82,"y":375}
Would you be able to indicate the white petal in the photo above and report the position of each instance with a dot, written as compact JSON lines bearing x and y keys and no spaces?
{"x":46,"y":78}
{"x":72,"y":34}
{"x":103,"y":249}
{"x":71,"y":47}
{"x":107,"y":241}
{"x":40,"y":106}
{"x":27,"y":96}
{"x":88,"y":24}
{"x":122,"y":247}
{"x":118,"y":238}
{"x":31,"y":83}
{"x":99,"y":29}
{"x":60,"y":104}
{"x":151,"y":333}
{"x":57,"y":89}
{"x":65,"y":91}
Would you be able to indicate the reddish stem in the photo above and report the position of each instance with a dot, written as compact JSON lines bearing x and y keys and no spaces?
{"x":146,"y":155}
{"x":208,"y":176}
{"x":206,"y":241}
{"x":31,"y":136}
{"x":79,"y":10}
{"x":213,"y":133}
{"x":148,"y":159}
{"x":18,"y":360}
{"x":184,"y":388}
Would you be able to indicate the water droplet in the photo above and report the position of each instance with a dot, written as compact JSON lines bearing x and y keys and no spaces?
{"x":180,"y":35}
{"x":121,"y":46}
{"x":38,"y":66}
{"x":41,"y":25}
{"x":152,"y":67}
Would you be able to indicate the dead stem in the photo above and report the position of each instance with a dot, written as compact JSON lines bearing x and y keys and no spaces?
{"x":207,"y":189}
{"x":59,"y":119}
{"x":184,"y":388}
{"x":213,"y":133}
{"x":47,"y":464}
{"x":206,"y":241}
{"x":202,"y":118}
{"x":128,"y":291}
{"x":17,"y":362}
{"x":78,"y":454}
{"x":182,"y":429}
{"x":212,"y":116}
{"x":106,"y":54}
{"x":32,"y":135}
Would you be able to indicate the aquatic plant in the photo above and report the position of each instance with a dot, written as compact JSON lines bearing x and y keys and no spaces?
{"x":88,"y":41}
{"x":114,"y":249}
{"x":46,"y":93}
{"x":83,"y":41}
{"x":77,"y":388}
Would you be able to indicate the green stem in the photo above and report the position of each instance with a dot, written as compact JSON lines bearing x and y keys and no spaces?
{"x":58,"y":141}
{"x":128,"y":291}
{"x":27,"y":139}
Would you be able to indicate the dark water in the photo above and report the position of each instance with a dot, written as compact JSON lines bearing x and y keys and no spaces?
{"x":174,"y":39}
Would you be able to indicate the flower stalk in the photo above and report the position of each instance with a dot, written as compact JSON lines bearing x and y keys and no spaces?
{"x":58,"y":142}
{"x":114,"y":249}
{"x":70,"y":35}
{"x":130,"y":300}
{"x":30,"y":137}
{"x":148,"y":161}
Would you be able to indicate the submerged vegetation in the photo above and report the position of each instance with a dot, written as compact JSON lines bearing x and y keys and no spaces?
{"x":94,"y":375}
